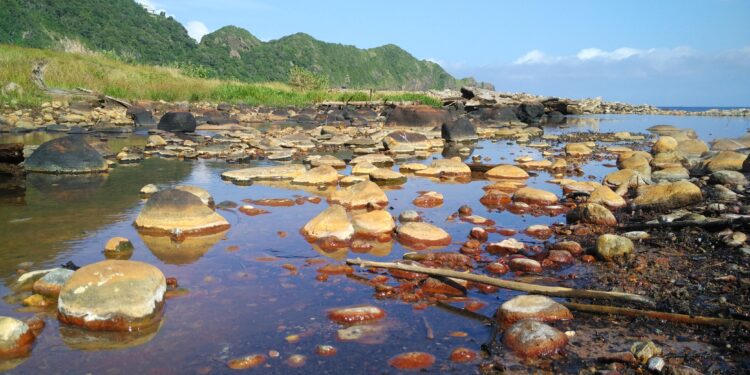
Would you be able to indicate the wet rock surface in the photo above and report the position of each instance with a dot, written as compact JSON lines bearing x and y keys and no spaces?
{"x":113,"y":295}
{"x":69,"y":154}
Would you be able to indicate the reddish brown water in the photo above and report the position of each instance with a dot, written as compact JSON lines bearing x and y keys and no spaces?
{"x":240,"y":300}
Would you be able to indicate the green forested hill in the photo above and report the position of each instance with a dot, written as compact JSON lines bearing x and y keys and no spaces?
{"x":124,"y":29}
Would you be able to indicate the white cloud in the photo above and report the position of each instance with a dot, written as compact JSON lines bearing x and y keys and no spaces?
{"x":196,"y":29}
{"x":616,"y":55}
{"x":532,"y":57}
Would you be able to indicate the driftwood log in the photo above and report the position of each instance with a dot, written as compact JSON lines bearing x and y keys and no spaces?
{"x":508,"y":284}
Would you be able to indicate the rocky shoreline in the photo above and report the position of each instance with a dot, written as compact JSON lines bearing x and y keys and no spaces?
{"x":675,"y":204}
{"x":112,"y":115}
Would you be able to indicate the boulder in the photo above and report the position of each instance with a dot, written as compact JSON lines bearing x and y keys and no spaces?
{"x":664,"y":144}
{"x":729,"y":178}
{"x":69,"y":154}
{"x":532,"y":339}
{"x":373,"y":223}
{"x":276,"y":172}
{"x":331,"y":222}
{"x":178,"y":213}
{"x":378,"y":160}
{"x":363,"y":168}
{"x":507,"y":172}
{"x":177,"y":122}
{"x":671,"y":174}
{"x":577,"y":150}
{"x":141,"y":117}
{"x":460,"y":130}
{"x":360,"y":195}
{"x":322,"y":175}
{"x":669,"y":195}
{"x":406,"y":142}
{"x":424,"y":234}
{"x":16,"y":338}
{"x":418,"y":116}
{"x":453,"y":167}
{"x":692,"y":147}
{"x":199,"y":192}
{"x":51,"y":283}
{"x":533,"y":307}
{"x":113,"y":295}
{"x":591,"y":213}
{"x":610,"y":246}
{"x":530,"y":112}
{"x":605,"y":196}
{"x":724,"y":161}
{"x":534,"y":196}
{"x":385,"y":176}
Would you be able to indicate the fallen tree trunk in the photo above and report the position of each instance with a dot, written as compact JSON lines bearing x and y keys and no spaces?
{"x":672,"y":317}
{"x":508,"y":284}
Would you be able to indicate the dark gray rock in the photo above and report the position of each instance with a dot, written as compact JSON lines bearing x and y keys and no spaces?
{"x":418,"y":116}
{"x":142,"y":117}
{"x":69,"y":154}
{"x":177,"y":122}
{"x":459,"y":131}
{"x":530,"y":112}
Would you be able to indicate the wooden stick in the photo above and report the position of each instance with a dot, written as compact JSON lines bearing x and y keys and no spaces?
{"x":672,"y":317}
{"x":508,"y":284}
{"x":710,"y":223}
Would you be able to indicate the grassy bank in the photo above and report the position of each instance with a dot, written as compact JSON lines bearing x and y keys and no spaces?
{"x":143,"y":82}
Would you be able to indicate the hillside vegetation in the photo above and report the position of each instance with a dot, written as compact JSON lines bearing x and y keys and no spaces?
{"x":128,"y":32}
{"x":144,"y":82}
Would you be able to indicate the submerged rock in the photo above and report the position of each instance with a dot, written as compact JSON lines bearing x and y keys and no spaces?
{"x":418,"y":233}
{"x":356,"y":314}
{"x":453,"y":167}
{"x":412,"y":361}
{"x":277,"y":172}
{"x":113,"y":295}
{"x":531,"y":339}
{"x":69,"y":154}
{"x":533,"y":307}
{"x":178,"y":213}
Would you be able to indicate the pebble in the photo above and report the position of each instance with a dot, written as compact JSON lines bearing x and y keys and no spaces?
{"x":412,"y":361}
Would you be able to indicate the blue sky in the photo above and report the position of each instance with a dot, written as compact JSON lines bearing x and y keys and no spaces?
{"x":685,"y":52}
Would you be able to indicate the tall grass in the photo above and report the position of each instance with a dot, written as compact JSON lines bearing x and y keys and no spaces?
{"x":143,"y":82}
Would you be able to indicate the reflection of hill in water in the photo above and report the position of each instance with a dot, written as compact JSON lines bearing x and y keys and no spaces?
{"x":61,"y":208}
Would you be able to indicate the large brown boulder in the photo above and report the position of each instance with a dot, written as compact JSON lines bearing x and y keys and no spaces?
{"x":418,"y":116}
{"x":113,"y":295}
{"x":670,"y":195}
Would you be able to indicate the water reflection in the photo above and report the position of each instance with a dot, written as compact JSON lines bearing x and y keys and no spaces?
{"x":182,"y":252}
{"x":67,"y":188}
{"x":83,"y":339}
